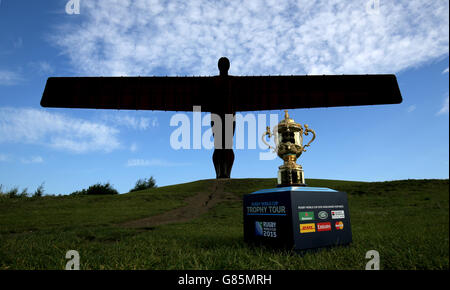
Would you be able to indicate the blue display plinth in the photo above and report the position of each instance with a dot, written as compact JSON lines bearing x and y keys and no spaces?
{"x":297,"y":217}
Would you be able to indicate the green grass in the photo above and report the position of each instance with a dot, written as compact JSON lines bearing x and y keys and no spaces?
{"x":407,"y":222}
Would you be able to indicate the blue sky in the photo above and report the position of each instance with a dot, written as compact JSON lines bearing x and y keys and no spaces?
{"x":72,"y":149}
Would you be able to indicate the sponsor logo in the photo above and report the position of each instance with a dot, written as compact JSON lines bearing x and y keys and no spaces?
{"x":337,"y":214}
{"x":323,"y":215}
{"x":323,"y":227}
{"x":258,"y":228}
{"x":339,"y":225}
{"x":307,"y":228}
{"x":306,"y":215}
{"x":266,"y":229}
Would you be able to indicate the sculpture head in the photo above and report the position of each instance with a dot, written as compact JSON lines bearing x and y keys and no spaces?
{"x":224,"y":66}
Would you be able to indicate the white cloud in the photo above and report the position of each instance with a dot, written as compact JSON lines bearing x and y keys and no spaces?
{"x":32,"y":160}
{"x":4,"y":157}
{"x":133,"y":147}
{"x":33,"y":126}
{"x":411,"y":108}
{"x":9,"y":78}
{"x":122,"y":118}
{"x":18,"y":43}
{"x":153,"y":163}
{"x":445,"y":71}
{"x":444,"y":109}
{"x":153,"y":37}
{"x":42,"y":67}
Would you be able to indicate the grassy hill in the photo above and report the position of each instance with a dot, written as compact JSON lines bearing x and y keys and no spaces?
{"x":198,"y":225}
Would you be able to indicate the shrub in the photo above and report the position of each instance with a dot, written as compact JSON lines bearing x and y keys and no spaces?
{"x":97,"y":189}
{"x":79,"y":192}
{"x":142,"y":184}
{"x":39,"y":191}
{"x":12,"y":193}
{"x":24,"y":193}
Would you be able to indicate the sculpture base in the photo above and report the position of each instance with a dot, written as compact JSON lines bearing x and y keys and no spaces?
{"x":297,"y":217}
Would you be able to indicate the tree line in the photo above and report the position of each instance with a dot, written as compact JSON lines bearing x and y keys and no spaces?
{"x":96,"y":189}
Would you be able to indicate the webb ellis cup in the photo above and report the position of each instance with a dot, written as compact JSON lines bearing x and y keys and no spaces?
{"x":289,"y":146}
{"x":293,"y":215}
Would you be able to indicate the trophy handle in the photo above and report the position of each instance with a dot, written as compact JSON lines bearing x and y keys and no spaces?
{"x":307,"y":130}
{"x":270,"y":135}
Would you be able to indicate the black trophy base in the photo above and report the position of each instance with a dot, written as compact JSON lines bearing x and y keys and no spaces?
{"x":299,"y":218}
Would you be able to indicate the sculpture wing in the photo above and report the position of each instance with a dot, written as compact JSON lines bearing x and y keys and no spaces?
{"x":214,"y":93}
{"x":128,"y":93}
{"x":291,"y":92}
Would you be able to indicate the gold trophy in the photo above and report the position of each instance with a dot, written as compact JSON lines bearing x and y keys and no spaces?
{"x":289,"y":146}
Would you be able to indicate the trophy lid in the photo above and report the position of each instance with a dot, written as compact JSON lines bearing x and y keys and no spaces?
{"x":288,"y":123}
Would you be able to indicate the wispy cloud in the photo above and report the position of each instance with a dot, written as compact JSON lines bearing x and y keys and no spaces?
{"x":152,"y":37}
{"x":42,"y":67}
{"x":444,"y":109}
{"x":124,"y":119}
{"x":18,"y":43}
{"x":33,"y":126}
{"x":9,"y":78}
{"x":153,"y":163}
{"x":32,"y":160}
{"x":411,"y":108}
{"x":29,"y":160}
{"x":445,"y":71}
{"x":133,"y":147}
{"x":4,"y":157}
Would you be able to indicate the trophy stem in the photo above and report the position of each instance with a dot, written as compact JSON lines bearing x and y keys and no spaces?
{"x":291,"y":176}
{"x":290,"y":173}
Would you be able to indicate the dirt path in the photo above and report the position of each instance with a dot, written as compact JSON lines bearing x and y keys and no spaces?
{"x":196,"y":205}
